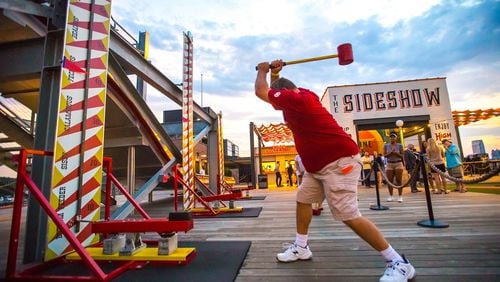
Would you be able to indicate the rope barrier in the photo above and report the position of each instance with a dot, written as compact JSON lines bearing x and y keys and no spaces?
{"x":412,"y":177}
{"x":459,"y":180}
{"x":475,"y":168}
{"x":420,"y":168}
{"x":368,"y":175}
{"x":378,"y":206}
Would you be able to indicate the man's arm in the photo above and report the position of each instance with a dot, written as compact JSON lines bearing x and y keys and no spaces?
{"x":261,"y":86}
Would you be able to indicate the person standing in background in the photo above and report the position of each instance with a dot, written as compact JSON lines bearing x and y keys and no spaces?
{"x":367,"y":167}
{"x":393,"y":153}
{"x":289,"y":172}
{"x":381,"y":167}
{"x":299,"y":169}
{"x":278,"y":174}
{"x":410,"y":161}
{"x":436,"y":155}
{"x":454,"y":163}
{"x":430,"y":176}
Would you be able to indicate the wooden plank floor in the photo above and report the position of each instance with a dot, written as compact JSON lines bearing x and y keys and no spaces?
{"x":469,"y":250}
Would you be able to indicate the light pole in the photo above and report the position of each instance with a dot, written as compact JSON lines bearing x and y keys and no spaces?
{"x":399,"y":124}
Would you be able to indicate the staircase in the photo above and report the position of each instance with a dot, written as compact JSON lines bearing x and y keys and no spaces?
{"x":15,"y":130}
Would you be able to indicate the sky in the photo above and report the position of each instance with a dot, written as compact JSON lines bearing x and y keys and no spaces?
{"x":392,"y":40}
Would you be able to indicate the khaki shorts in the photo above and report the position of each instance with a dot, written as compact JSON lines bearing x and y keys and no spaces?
{"x":457,"y":172}
{"x":338,"y":183}
{"x":394,"y":166}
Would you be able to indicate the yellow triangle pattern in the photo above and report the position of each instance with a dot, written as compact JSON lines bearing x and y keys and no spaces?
{"x":56,"y":176}
{"x":69,"y":37}
{"x":65,"y":81}
{"x":60,"y":126}
{"x":104,"y":58}
{"x":58,"y":150}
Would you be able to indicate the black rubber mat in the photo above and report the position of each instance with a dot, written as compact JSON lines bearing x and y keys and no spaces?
{"x":259,"y":198}
{"x":247,"y":212}
{"x":214,"y":261}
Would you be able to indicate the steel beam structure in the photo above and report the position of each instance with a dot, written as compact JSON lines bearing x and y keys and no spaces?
{"x":133,"y":61}
{"x":144,"y":112}
{"x":27,"y":7}
{"x":36,"y":226}
{"x":22,"y":59}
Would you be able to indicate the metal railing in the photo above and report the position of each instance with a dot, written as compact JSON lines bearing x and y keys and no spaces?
{"x":7,"y":108}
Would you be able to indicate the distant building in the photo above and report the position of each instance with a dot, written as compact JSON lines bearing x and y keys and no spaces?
{"x":172,"y":123}
{"x":231,"y":150}
{"x":478,"y":147}
{"x":495,"y":154}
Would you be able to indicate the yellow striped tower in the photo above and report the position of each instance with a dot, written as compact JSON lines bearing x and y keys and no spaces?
{"x":220,"y":142}
{"x":78,"y":152}
{"x":187,"y":121}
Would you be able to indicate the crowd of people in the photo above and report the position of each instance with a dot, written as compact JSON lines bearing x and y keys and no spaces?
{"x":395,"y":161}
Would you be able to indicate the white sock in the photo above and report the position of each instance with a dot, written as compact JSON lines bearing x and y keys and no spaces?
{"x":301,"y":240}
{"x":390,"y":254}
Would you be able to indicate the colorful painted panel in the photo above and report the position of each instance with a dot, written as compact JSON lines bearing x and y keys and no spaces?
{"x":78,"y":152}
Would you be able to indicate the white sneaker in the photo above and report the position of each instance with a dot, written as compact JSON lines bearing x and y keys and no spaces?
{"x":400,"y":199}
{"x":294,"y":253}
{"x":390,"y":199}
{"x":398,"y":271}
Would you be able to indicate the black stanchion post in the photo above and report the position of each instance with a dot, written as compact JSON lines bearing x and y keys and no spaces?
{"x":431,"y":222}
{"x":377,"y":207}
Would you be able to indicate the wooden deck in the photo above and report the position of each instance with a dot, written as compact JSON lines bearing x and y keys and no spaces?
{"x":469,"y":250}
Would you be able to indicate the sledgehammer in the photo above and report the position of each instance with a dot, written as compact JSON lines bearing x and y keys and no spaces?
{"x":344,"y":53}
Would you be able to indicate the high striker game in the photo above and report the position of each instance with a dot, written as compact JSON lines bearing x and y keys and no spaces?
{"x":78,"y":152}
{"x":187,"y":121}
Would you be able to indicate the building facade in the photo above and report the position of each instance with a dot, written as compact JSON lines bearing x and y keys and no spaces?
{"x":368,"y":112}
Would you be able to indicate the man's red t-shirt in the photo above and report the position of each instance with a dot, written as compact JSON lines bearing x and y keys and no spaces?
{"x":319,"y":139}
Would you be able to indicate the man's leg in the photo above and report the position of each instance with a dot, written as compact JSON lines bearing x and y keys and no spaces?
{"x":303,"y":217}
{"x":299,"y":250}
{"x":368,"y":232}
{"x":390,"y":177}
{"x":398,"y":268}
{"x":413,"y":183}
{"x":399,"y":181}
{"x":342,"y":200}
{"x":367,"y":179}
{"x":310,"y":191}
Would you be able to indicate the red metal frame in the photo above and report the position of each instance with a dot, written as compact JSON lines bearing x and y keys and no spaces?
{"x":233,"y":195}
{"x":32,"y":273}
{"x":111,"y":178}
{"x":22,"y":180}
{"x":178,"y":179}
{"x":161,"y":225}
{"x":212,"y":194}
